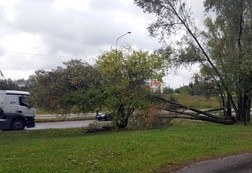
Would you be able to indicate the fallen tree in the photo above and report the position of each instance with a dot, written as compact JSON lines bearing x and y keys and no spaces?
{"x":185,"y":112}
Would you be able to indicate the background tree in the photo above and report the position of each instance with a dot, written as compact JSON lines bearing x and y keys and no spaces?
{"x":53,"y":86}
{"x":229,"y":40}
{"x":8,"y":84}
{"x":204,"y":84}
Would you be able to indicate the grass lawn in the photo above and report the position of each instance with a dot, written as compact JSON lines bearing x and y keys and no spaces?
{"x":70,"y":150}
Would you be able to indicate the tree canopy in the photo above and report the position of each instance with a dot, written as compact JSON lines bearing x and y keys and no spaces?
{"x":52,"y":86}
{"x":125,"y":79}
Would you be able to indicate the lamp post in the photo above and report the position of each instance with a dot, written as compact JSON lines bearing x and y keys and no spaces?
{"x":121,"y":37}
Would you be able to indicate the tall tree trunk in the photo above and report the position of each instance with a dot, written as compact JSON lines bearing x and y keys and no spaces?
{"x":249,"y":108}
{"x":229,"y":108}
{"x":244,"y":108}
{"x":247,"y":105}
{"x":240,"y":102}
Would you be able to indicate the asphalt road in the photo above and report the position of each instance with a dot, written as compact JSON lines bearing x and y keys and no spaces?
{"x":61,"y":125}
{"x":231,"y":164}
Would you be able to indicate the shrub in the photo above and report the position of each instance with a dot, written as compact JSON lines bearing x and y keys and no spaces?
{"x":148,"y":119}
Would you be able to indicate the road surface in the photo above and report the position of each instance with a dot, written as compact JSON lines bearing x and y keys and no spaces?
{"x":231,"y":164}
{"x":61,"y":125}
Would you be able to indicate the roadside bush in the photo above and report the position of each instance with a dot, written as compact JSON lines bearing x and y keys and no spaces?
{"x":149,"y":119}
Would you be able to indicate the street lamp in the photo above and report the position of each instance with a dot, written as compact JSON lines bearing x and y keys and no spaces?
{"x":121,"y":37}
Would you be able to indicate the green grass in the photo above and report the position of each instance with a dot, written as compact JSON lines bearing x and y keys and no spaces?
{"x":199,"y":102}
{"x":156,"y":150}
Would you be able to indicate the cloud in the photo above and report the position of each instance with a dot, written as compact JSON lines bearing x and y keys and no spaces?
{"x":39,"y":34}
{"x":98,"y":26}
{"x":61,"y":28}
{"x":78,"y":5}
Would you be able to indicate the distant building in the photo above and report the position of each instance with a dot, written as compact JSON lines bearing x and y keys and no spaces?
{"x":156,"y":86}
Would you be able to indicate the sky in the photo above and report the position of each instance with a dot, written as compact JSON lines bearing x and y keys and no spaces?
{"x":41,"y":34}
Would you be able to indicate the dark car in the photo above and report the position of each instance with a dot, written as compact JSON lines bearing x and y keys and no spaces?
{"x":104,"y":116}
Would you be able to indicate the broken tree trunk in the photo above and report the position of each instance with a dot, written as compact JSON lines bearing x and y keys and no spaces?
{"x":190,"y":112}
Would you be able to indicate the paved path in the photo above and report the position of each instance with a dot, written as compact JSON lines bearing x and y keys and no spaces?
{"x":231,"y":164}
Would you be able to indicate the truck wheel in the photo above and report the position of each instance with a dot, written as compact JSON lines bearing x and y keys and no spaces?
{"x":17,"y":124}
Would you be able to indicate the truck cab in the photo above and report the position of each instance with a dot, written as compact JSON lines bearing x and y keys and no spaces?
{"x":16,"y":112}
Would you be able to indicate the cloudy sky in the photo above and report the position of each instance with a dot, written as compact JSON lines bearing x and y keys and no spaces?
{"x":41,"y":34}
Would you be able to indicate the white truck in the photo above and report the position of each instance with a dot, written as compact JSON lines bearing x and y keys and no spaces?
{"x":16,"y":112}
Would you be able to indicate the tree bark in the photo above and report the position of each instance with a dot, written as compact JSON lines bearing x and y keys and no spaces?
{"x":238,"y":116}
{"x":229,"y":108}
{"x":123,"y":116}
{"x":249,"y":108}
{"x":247,"y":105}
